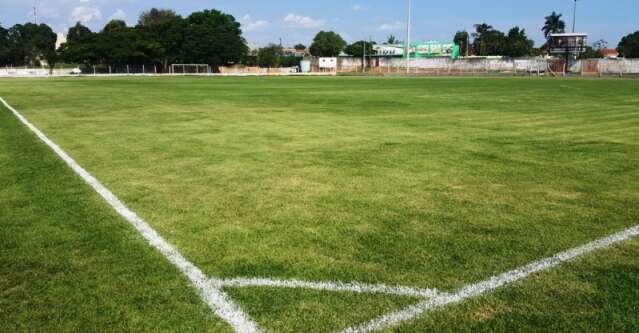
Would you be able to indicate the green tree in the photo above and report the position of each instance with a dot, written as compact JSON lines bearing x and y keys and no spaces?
{"x":167,"y":30}
{"x":327,"y":44}
{"x":462,"y":38}
{"x":270,"y":56}
{"x":591,"y":53}
{"x":213,"y":38}
{"x":114,"y":44}
{"x":30,"y":43}
{"x":357,"y":49}
{"x":4,"y":46}
{"x":600,"y":44}
{"x":629,"y":46}
{"x":488,"y":41}
{"x":290,"y":61}
{"x":480,"y":35}
{"x":554,"y":24}
{"x":156,"y":16}
{"x":300,"y":47}
{"x":120,"y":45}
{"x":80,"y":46}
{"x":518,"y":44}
{"x":392,"y":40}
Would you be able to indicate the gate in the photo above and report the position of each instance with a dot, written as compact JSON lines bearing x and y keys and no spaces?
{"x":557,"y":66}
{"x":590,"y":67}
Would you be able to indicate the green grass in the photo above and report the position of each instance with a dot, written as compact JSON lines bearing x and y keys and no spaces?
{"x":424,"y":182}
{"x":69,"y":264}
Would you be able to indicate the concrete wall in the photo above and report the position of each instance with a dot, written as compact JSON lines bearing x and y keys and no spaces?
{"x":480,"y":65}
{"x":443,"y":65}
{"x":617,"y":66}
{"x":21,"y":72}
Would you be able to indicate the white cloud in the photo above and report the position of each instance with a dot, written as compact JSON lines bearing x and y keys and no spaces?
{"x":299,"y":21}
{"x":357,"y":7}
{"x":85,"y":14}
{"x":249,"y":25}
{"x":118,"y":15}
{"x":390,"y":26}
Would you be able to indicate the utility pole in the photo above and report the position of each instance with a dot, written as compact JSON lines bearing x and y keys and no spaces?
{"x":410,"y":9}
{"x":35,"y":11}
{"x":574,"y":18}
{"x":364,"y":57}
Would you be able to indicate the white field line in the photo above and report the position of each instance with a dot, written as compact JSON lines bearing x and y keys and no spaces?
{"x":491,"y":284}
{"x":219,"y":302}
{"x":327,"y":286}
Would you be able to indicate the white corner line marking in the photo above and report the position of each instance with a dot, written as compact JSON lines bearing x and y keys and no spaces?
{"x":492,"y":283}
{"x":217,"y":300}
{"x":327,"y":286}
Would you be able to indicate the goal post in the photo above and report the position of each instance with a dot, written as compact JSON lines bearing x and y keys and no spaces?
{"x":190,"y":69}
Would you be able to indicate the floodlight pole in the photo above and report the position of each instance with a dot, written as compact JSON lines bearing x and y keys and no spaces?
{"x":574,"y":18}
{"x":364,"y":58}
{"x":35,"y":11}
{"x":410,"y":8}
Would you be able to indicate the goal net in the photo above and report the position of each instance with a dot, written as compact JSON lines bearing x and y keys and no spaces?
{"x":190,"y":69}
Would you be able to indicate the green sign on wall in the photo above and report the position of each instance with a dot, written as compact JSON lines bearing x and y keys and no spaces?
{"x":434,"y":49}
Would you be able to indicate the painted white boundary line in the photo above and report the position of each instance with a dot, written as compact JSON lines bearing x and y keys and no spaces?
{"x":327,"y":286}
{"x":491,"y":284}
{"x":211,"y":289}
{"x":214,"y":297}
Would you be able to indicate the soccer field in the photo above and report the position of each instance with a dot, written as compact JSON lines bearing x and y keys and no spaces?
{"x":321,"y":204}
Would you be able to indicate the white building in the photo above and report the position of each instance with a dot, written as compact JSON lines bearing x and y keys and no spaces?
{"x":60,"y":40}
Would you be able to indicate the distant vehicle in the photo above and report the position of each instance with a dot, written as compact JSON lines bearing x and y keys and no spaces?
{"x":76,"y":71}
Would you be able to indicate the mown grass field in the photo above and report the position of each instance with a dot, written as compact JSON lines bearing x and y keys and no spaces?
{"x":422,"y":182}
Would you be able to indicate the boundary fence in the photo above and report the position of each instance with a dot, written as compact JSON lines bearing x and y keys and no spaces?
{"x":375,"y":66}
{"x":489,"y":66}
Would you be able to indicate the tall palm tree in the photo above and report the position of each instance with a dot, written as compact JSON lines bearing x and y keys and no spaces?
{"x":480,"y":32}
{"x":554,"y":24}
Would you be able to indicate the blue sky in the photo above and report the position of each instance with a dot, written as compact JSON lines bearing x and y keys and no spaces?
{"x":298,"y":21}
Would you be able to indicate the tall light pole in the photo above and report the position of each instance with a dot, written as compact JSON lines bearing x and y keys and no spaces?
{"x":410,"y":9}
{"x":574,"y":18}
{"x":35,"y":11}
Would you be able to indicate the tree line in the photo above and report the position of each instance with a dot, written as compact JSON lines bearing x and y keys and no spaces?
{"x":484,"y":41}
{"x":27,"y":44}
{"x":162,"y":37}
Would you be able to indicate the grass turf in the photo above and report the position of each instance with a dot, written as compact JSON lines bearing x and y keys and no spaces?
{"x":70,"y":264}
{"x":423,"y":182}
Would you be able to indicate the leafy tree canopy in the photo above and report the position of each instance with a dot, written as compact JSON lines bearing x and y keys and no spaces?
{"x":517,"y":43}
{"x":28,"y":44}
{"x":270,"y":56}
{"x":156,"y":16}
{"x":161,"y":37}
{"x":488,"y":41}
{"x":357,"y":49}
{"x":327,"y":44}
{"x":462,"y":38}
{"x":4,"y":46}
{"x":629,"y":45}
{"x":214,"y":38}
